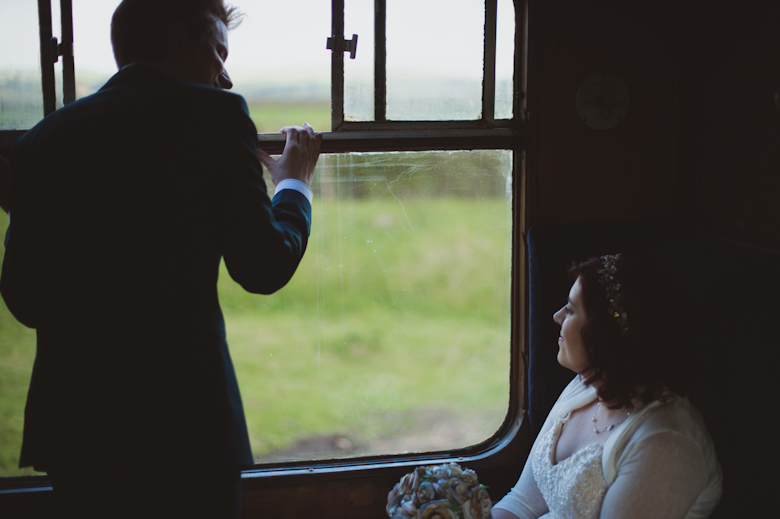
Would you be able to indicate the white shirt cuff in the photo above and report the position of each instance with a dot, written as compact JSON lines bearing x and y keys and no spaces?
{"x":295,"y":185}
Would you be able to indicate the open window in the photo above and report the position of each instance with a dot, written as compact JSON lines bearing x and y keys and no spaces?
{"x":401,"y":334}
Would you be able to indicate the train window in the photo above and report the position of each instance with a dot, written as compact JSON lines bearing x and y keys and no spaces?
{"x":395,"y":334}
{"x":94,"y":60}
{"x":400,"y":311}
{"x":421,"y":85}
{"x":21,"y":101}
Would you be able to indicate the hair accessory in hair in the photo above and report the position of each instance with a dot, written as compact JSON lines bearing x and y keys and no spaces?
{"x":608,"y":278}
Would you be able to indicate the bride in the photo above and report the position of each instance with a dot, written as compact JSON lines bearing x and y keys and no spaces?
{"x":622,"y":441}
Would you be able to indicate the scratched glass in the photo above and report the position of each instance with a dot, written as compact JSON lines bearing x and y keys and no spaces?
{"x":394,"y":334}
{"x":434,"y":59}
{"x":21,"y":99}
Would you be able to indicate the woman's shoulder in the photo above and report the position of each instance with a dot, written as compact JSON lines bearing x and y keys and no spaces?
{"x":669,"y":433}
{"x":671,"y":422}
{"x":673,"y":413}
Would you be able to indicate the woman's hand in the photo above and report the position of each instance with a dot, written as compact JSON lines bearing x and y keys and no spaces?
{"x":299,"y":157}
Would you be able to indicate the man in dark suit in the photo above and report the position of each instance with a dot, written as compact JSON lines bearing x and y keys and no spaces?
{"x":122,"y":205}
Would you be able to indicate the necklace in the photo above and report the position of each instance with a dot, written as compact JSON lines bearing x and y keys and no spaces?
{"x":607,"y":428}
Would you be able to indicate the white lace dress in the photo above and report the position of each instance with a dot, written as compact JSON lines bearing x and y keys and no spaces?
{"x":575,"y":487}
{"x":660,"y":462}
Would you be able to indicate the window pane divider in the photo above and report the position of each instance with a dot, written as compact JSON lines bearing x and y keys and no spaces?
{"x":380,"y":60}
{"x":489,"y":62}
{"x":337,"y":66}
{"x":47,"y":60}
{"x":68,"y":68}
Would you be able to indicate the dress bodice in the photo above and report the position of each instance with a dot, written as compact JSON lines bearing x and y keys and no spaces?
{"x":574,"y":487}
{"x":660,"y":441}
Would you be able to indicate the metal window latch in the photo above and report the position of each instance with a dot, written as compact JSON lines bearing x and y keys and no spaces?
{"x":60,"y":49}
{"x":339,"y":44}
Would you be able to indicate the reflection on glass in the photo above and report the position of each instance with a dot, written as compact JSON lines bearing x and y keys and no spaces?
{"x":21,"y":98}
{"x":393,"y":336}
{"x":505,"y":55}
{"x":359,"y":72}
{"x":434,"y":59}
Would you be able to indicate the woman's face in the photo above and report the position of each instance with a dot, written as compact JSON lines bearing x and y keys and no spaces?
{"x":571,"y":318}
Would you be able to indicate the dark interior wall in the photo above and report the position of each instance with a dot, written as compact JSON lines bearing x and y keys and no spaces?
{"x":700,"y":144}
{"x":580,"y":174}
{"x":728,"y":146}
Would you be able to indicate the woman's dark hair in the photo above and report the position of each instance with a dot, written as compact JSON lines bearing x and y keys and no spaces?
{"x":139,"y":28}
{"x":641,"y":351}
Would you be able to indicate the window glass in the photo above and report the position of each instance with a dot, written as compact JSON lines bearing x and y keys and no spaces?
{"x":505,"y":58}
{"x":435,"y":59}
{"x":21,"y":98}
{"x":279,"y":62}
{"x":359,"y":72}
{"x":284,"y":76}
{"x":93,"y":55}
{"x":393,"y":335}
{"x":17,"y":352}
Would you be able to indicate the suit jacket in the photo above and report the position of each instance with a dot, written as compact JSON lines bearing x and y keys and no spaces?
{"x":122,"y":205}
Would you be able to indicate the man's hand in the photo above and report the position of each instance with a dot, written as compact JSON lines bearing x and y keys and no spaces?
{"x":299,"y":156}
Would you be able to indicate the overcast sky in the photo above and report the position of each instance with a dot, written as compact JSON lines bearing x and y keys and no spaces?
{"x":438,"y":36}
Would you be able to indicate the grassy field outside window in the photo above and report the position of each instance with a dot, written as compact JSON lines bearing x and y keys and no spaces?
{"x":392,"y":337}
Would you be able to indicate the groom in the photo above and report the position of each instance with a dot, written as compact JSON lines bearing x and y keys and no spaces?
{"x":122,"y":206}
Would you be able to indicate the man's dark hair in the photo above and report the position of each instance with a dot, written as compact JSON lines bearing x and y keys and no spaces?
{"x":649,"y":356}
{"x":139,"y":28}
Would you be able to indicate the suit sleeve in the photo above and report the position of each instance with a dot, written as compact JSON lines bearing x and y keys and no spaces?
{"x":261,"y":240}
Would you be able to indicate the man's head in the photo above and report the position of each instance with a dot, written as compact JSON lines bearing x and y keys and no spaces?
{"x":186,"y":38}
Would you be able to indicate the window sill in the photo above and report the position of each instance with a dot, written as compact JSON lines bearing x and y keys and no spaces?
{"x":404,"y":140}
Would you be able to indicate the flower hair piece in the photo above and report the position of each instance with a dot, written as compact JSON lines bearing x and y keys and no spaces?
{"x":439,"y":492}
{"x":608,"y":279}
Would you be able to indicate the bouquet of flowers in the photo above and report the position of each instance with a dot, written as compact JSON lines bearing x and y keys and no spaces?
{"x":439,"y":492}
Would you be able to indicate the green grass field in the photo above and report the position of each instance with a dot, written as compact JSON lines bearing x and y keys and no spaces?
{"x":270,"y":117}
{"x":398,"y":309}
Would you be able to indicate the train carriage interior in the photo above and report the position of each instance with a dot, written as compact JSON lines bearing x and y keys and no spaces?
{"x":585,"y":127}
